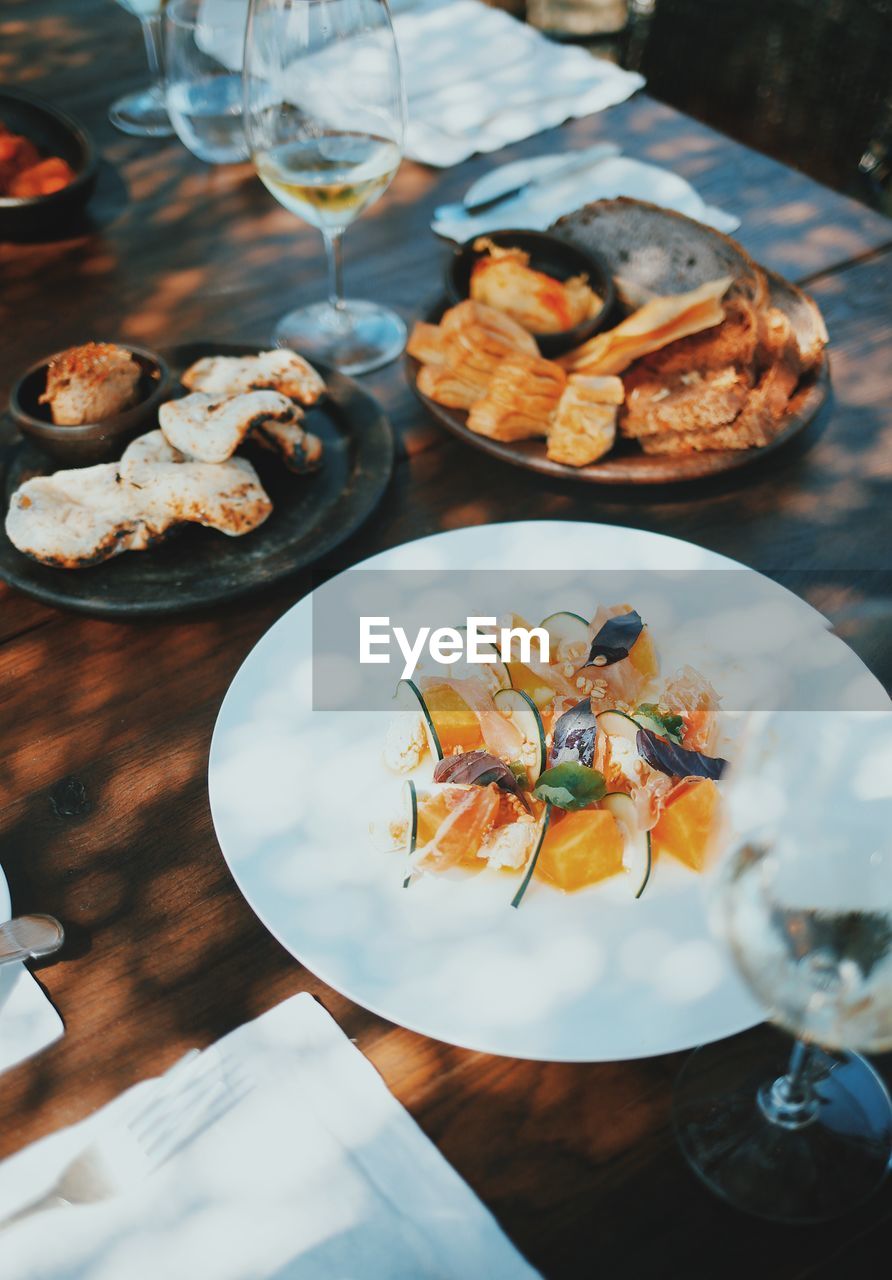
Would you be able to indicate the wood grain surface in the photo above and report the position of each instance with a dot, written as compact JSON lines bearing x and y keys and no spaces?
{"x":105,"y":726}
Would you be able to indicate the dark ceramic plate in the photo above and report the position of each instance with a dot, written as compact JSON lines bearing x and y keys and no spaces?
{"x":626,"y":463}
{"x":198,"y":567}
{"x":54,"y":133}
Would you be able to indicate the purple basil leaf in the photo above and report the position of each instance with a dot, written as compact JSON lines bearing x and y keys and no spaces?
{"x":478,"y":768}
{"x":615,"y":639}
{"x":574,"y":735}
{"x":677,"y":762}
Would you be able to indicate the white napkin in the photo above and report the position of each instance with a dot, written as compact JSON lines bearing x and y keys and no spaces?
{"x":317,"y":1173}
{"x":607,"y":175}
{"x":476,"y":78}
{"x":28,"y":1022}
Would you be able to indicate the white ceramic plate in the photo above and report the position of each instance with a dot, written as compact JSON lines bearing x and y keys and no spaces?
{"x":592,"y":976}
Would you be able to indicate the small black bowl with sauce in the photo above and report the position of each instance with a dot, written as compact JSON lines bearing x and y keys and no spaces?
{"x":82,"y":446}
{"x":54,"y":133}
{"x":552,"y":256}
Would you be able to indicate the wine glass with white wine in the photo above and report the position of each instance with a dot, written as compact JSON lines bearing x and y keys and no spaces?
{"x":802,"y":893}
{"x":325,"y":117}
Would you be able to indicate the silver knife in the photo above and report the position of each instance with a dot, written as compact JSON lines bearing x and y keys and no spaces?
{"x":29,"y":938}
{"x":573,"y":164}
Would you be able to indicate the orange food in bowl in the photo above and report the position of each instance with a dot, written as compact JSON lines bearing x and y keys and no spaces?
{"x":580,"y":849}
{"x":22,"y":171}
{"x":42,"y":179}
{"x":689,"y":823}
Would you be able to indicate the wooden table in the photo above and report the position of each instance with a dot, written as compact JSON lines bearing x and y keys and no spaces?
{"x":577,"y":1162}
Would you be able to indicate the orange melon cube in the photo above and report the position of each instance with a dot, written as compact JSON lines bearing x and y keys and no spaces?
{"x":689,"y":824}
{"x":581,"y":848}
{"x":457,"y":727}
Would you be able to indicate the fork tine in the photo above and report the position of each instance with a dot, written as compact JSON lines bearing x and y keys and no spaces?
{"x":145,"y":1120}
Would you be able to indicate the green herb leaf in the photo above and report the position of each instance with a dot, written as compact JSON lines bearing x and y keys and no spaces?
{"x":671,"y":727}
{"x":570,"y":785}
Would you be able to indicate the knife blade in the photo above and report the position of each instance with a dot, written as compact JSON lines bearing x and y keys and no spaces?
{"x":575,"y":163}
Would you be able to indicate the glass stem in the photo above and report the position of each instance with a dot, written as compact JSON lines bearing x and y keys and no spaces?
{"x":334,"y":254}
{"x":151,"y":31}
{"x":791,"y":1101}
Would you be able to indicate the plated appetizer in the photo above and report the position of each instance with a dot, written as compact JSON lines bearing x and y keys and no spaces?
{"x":714,"y":367}
{"x":183,"y":471}
{"x":571,"y":771}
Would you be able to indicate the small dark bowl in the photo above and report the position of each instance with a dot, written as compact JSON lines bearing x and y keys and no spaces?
{"x":94,"y":441}
{"x":556,"y":258}
{"x":54,"y":133}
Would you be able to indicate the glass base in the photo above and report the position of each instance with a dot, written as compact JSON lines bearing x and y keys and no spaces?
{"x":142,"y":114}
{"x":354,"y":339}
{"x":817,"y":1169}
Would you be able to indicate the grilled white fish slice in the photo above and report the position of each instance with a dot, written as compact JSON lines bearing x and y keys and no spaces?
{"x":78,"y":518}
{"x":300,"y":450}
{"x":211,"y":427}
{"x":279,"y":370}
{"x":227,"y":496}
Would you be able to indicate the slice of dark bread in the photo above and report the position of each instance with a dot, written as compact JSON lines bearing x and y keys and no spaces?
{"x":651,"y":250}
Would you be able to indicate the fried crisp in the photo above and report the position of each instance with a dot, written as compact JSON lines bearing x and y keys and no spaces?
{"x":462,"y":354}
{"x":583,"y":427}
{"x":426,"y":343}
{"x":520,"y":401}
{"x":655,"y":325}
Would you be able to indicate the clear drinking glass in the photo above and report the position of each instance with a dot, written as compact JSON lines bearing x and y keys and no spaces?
{"x":325,"y":118}
{"x":203,"y":45}
{"x":802,"y":892}
{"x":143,"y":113}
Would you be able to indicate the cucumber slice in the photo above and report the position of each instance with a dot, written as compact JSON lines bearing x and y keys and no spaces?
{"x":531,"y":865}
{"x":637,"y":854}
{"x":410,"y":795}
{"x":524,"y":678}
{"x":408,"y":697}
{"x":520,"y":709}
{"x":616,"y":724}
{"x":564,"y":629}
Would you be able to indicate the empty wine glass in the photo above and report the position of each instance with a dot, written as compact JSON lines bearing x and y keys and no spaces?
{"x":143,"y":113}
{"x":325,"y":117}
{"x":802,"y":892}
{"x":203,"y":44}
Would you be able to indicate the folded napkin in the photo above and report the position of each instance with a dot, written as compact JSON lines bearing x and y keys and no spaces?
{"x":315,"y":1173}
{"x":28,"y":1022}
{"x":476,"y":78}
{"x":603,"y":174}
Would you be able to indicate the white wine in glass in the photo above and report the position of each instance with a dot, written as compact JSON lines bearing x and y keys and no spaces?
{"x":802,"y":893}
{"x":325,"y":118}
{"x":143,"y":112}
